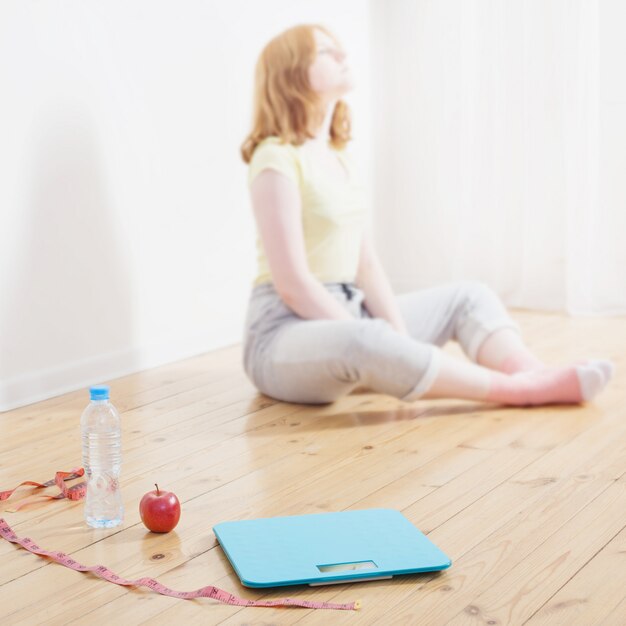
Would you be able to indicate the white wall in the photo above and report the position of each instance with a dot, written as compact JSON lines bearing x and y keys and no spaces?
{"x":126,"y":235}
{"x":500,"y":146}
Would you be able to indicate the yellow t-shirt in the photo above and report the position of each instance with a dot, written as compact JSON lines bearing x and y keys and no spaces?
{"x":333,"y":213}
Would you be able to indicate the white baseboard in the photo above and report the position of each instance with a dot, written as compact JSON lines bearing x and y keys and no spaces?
{"x":66,"y":377}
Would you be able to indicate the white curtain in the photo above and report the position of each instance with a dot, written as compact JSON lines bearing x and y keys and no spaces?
{"x":500,"y":148}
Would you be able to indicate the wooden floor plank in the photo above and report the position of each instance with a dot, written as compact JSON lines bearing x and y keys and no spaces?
{"x":593,"y":593}
{"x":513,"y":597}
{"x":127,"y":396}
{"x":495,"y":523}
{"x":507,"y":493}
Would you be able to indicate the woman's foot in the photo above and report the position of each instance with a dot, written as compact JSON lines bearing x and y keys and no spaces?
{"x":520,"y":362}
{"x":606,"y":367}
{"x":564,"y":385}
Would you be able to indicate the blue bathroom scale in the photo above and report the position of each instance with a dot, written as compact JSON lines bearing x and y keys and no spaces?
{"x":327,"y":548}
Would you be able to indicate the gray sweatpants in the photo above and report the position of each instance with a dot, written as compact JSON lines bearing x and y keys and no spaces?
{"x":299,"y":360}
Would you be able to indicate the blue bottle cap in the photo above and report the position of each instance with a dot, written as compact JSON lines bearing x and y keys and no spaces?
{"x":99,"y":392}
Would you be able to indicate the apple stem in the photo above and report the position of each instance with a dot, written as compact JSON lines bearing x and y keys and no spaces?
{"x":157,"y":488}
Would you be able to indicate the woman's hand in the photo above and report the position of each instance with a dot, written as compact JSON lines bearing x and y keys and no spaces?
{"x":380,"y":300}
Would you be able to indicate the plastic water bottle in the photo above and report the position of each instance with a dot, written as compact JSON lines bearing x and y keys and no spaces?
{"x":102,"y":460}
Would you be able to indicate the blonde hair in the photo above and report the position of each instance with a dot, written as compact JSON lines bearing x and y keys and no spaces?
{"x":285,"y":105}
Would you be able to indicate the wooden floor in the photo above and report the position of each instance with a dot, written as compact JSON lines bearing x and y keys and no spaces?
{"x":530,"y":504}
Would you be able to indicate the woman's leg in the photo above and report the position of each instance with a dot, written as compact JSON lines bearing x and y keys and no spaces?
{"x":471,"y":313}
{"x":318,"y":361}
{"x":566,"y":385}
{"x":505,"y":351}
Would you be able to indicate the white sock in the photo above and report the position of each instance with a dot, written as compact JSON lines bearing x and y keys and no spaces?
{"x":606,"y":367}
{"x":592,"y":379}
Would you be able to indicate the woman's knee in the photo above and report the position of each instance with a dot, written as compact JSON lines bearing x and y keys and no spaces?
{"x":474,"y":293}
{"x":476,"y":288}
{"x":480,"y":312}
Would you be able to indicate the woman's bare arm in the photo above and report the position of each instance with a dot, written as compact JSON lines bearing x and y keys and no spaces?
{"x":277,"y":210}
{"x":372,"y":279}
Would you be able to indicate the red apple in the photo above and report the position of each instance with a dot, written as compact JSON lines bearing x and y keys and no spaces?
{"x":159,"y":510}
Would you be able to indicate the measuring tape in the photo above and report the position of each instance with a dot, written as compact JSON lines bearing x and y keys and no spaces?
{"x":77,"y":492}
{"x":205,"y":592}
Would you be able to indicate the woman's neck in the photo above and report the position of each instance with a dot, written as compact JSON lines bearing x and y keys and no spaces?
{"x":322,"y":134}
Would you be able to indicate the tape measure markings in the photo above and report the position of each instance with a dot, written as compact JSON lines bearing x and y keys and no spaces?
{"x":75,"y":492}
{"x":204,"y":592}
